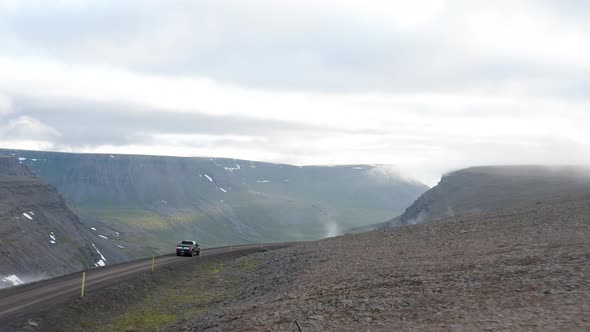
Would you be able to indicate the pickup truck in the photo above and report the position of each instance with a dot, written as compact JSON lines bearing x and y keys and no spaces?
{"x":188,"y":248}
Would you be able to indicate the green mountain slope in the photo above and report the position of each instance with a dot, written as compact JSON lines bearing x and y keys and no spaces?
{"x":150,"y":202}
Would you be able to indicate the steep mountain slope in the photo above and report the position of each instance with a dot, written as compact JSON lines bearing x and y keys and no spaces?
{"x":39,"y":236}
{"x":485,"y":189}
{"x":149,"y":202}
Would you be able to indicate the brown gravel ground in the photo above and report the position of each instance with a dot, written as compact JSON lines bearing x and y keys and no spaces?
{"x":514,"y":270}
{"x":517,"y":270}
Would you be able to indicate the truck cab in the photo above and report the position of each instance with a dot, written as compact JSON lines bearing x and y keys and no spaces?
{"x":188,"y":248}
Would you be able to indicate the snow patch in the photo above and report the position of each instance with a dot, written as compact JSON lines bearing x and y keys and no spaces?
{"x":22,"y":158}
{"x":92,"y":228}
{"x":34,"y":159}
{"x":117,"y":233}
{"x":27,"y":216}
{"x":358,"y":168}
{"x":112,"y":157}
{"x":31,"y":212}
{"x":104,"y":237}
{"x":208,"y":177}
{"x":263,"y":181}
{"x":232,"y":169}
{"x":222,"y":189}
{"x":52,"y":242}
{"x":102,"y":261}
{"x":120,"y":246}
{"x":13,"y":279}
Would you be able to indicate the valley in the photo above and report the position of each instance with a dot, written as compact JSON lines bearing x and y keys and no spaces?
{"x":512,"y":269}
{"x":488,"y":248}
{"x":128,"y":207}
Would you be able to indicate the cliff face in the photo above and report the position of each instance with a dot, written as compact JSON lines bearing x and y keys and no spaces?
{"x":485,"y":189}
{"x":39,"y":236}
{"x":151,"y":202}
{"x":11,"y":166}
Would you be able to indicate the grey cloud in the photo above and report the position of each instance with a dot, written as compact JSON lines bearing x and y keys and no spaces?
{"x":84,"y":124}
{"x":259,"y":47}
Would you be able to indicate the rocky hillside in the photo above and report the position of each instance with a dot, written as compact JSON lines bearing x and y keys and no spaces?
{"x":39,"y":236}
{"x":484,"y":189}
{"x":150,"y":202}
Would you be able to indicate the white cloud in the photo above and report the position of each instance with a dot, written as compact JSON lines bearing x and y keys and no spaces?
{"x":5,"y":105}
{"x":405,"y":129}
{"x":27,"y":128}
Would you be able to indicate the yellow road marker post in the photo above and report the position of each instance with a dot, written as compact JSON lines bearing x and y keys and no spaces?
{"x":153,"y":262}
{"x":83,"y":283}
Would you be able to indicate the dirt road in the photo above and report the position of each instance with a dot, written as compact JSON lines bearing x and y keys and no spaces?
{"x":33,"y":298}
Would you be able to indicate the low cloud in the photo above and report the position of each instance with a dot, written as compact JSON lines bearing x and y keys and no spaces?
{"x":26,"y":127}
{"x":332,"y":229}
{"x":5,"y":105}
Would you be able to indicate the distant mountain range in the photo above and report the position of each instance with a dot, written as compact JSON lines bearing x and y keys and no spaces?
{"x":120,"y":207}
{"x":139,"y":205}
{"x":485,"y":189}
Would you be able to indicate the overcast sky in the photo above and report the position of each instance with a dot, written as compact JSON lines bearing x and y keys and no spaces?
{"x":428,"y":86}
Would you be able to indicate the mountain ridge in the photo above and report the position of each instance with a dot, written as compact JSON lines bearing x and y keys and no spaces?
{"x":151,"y":201}
{"x":482,"y":189}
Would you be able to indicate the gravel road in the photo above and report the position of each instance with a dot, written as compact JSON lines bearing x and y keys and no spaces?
{"x":29,"y":301}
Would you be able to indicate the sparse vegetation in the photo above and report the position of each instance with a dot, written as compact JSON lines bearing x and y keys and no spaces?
{"x":249,"y":264}
{"x":155,"y":306}
{"x":149,"y":320}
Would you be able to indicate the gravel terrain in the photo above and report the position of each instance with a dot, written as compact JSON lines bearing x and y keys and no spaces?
{"x":510,"y":270}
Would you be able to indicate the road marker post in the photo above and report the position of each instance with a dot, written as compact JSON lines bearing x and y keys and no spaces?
{"x":83,"y":284}
{"x":153,"y":262}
